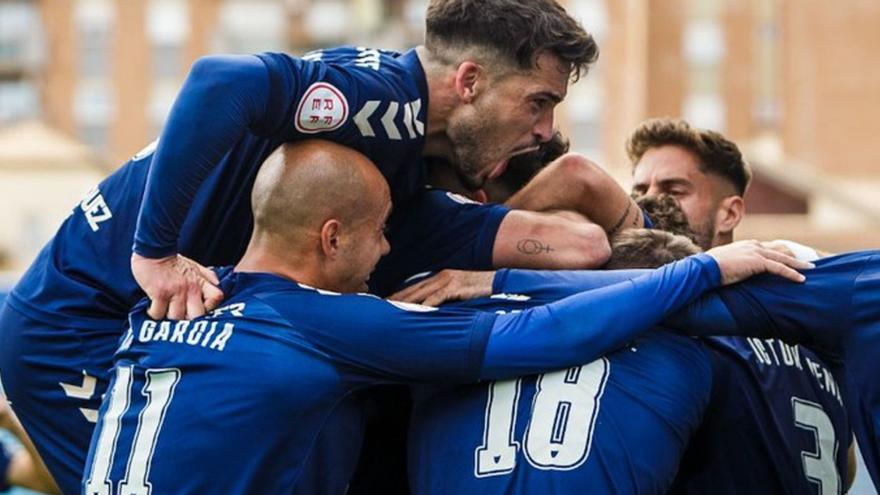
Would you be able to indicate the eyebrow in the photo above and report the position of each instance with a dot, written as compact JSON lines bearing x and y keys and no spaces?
{"x":675,"y":182}
{"x":664,"y":183}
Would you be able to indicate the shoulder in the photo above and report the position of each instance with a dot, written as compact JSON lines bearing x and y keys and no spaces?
{"x":678,"y":363}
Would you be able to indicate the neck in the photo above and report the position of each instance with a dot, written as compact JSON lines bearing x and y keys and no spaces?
{"x":264,"y":256}
{"x":442,"y":100}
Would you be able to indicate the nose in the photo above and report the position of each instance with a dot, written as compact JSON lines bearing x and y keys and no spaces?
{"x":653,"y":190}
{"x":543,"y":129}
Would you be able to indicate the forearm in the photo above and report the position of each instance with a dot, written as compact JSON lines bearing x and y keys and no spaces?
{"x":561,"y":240}
{"x":223,"y":97}
{"x":583,"y":327}
{"x":575,"y":183}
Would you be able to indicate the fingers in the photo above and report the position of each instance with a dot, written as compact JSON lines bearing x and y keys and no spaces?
{"x":195,"y":306}
{"x":405,"y":294}
{"x":785,"y":259}
{"x":779,"y":247}
{"x":176,"y":308}
{"x":208,"y":274}
{"x":421,"y":291}
{"x":439,"y":297}
{"x":780,"y":269}
{"x":212,"y":296}
{"x":158,"y":308}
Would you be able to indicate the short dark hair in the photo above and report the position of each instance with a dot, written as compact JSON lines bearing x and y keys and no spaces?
{"x":517,"y":30}
{"x":717,"y":154}
{"x":665,"y":213}
{"x":648,"y":248}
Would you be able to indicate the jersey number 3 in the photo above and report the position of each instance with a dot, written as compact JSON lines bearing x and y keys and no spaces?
{"x":819,"y":466}
{"x":560,"y":431}
{"x":158,"y":391}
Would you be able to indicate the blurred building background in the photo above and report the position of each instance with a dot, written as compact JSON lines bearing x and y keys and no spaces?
{"x":84,"y":84}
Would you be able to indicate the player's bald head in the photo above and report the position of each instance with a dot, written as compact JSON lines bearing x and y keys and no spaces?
{"x":303,"y":184}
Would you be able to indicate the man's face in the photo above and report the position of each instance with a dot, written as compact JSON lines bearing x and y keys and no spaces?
{"x":675,"y":171}
{"x":363,"y":247}
{"x":511,"y":115}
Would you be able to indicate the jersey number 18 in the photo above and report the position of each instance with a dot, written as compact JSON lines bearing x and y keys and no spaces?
{"x":560,"y":430}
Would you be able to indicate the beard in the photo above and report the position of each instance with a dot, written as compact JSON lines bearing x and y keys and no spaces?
{"x":705,"y":233}
{"x":469,"y":147}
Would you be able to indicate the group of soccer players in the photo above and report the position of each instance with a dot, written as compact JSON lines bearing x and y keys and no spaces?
{"x":211,"y":320}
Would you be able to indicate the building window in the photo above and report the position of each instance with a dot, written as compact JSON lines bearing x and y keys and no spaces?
{"x":251,"y":26}
{"x":94,"y":22}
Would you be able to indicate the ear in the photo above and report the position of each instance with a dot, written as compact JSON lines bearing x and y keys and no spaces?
{"x":730,"y":213}
{"x":330,"y":232}
{"x":466,"y":78}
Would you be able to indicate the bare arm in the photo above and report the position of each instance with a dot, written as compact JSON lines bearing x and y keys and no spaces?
{"x":558,"y":240}
{"x":26,"y":468}
{"x":572,"y":182}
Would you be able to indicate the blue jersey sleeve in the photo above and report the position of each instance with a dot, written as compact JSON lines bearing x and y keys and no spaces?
{"x":222,"y":98}
{"x":818,"y":313}
{"x":585,"y":326}
{"x":437,"y":230}
{"x":551,"y":285}
{"x":347,"y":95}
{"x":375,"y":340}
{"x":372,"y":340}
{"x":708,"y":315}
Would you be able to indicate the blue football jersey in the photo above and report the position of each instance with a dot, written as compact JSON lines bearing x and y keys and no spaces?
{"x":438,"y":229}
{"x":371,"y":100}
{"x":836,"y":312}
{"x":232,"y":402}
{"x":82,"y":277}
{"x":777,"y":414}
{"x":619,"y":424}
{"x":616,"y":425}
{"x":283,"y":354}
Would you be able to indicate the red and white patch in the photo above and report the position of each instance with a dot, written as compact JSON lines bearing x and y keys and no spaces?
{"x":323,"y":108}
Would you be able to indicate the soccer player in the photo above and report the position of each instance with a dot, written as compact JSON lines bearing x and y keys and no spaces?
{"x":837,"y":315}
{"x":61,"y":323}
{"x":481,"y":90}
{"x":616,"y":425}
{"x":760,"y":385}
{"x":292,"y":339}
{"x":763,"y":388}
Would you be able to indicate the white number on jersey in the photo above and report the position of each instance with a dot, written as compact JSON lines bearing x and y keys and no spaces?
{"x":820,"y":466}
{"x":560,"y":430}
{"x":158,"y":390}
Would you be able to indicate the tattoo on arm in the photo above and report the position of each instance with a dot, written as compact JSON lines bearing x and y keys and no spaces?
{"x":613,"y":230}
{"x":533,"y":246}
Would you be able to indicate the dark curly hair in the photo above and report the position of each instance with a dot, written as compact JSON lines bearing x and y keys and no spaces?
{"x":666,"y":214}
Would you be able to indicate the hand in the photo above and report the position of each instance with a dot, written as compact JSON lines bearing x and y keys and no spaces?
{"x":448,"y":285}
{"x":779,"y":246}
{"x":741,"y":260}
{"x":178,"y":287}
